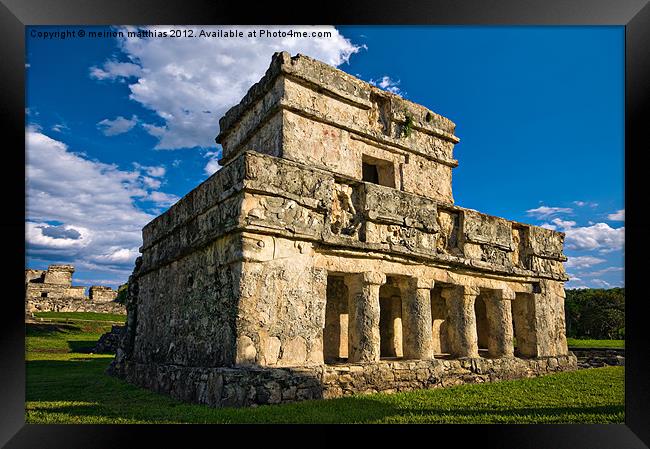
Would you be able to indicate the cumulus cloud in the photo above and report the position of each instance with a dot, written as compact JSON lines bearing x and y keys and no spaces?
{"x":544,"y":212}
{"x":386,"y":83}
{"x":599,"y":236}
{"x":619,"y":215}
{"x":119,"y":125}
{"x":40,"y":235}
{"x":94,"y":206}
{"x":582,"y":261}
{"x":61,"y":232}
{"x":190,"y":83}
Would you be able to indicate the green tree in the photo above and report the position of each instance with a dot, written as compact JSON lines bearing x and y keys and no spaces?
{"x":122,"y":291}
{"x":595,"y":313}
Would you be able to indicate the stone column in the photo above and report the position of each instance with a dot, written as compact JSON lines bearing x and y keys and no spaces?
{"x":416,"y":318}
{"x":499,"y":315}
{"x":463,"y":340}
{"x":363,"y":319}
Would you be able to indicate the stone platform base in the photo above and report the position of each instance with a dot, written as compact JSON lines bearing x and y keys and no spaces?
{"x":33,"y":305}
{"x":247,"y":386}
{"x":595,"y":358}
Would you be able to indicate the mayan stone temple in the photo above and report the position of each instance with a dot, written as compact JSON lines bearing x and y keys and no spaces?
{"x":327,"y":258}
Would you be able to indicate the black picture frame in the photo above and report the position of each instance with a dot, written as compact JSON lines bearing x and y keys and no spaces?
{"x":16,"y":14}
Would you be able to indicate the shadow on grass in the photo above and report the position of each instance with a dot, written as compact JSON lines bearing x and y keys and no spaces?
{"x":49,"y":330}
{"x":81,"y":346}
{"x":101,"y":397}
{"x":359,"y":409}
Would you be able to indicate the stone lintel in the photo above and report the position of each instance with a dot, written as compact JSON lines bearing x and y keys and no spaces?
{"x":505,"y":294}
{"x":367,"y":277}
{"x":418,"y":283}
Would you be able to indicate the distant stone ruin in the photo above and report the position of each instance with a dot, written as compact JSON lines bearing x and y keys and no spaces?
{"x":327,"y":257}
{"x":51,"y":290}
{"x":99,"y":293}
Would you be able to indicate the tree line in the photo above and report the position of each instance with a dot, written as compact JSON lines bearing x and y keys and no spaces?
{"x":595,"y":313}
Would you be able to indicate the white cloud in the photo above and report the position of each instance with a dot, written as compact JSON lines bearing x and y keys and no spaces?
{"x":157,"y":171}
{"x":599,"y":236}
{"x":386,"y":83}
{"x":563,"y":224}
{"x":113,"y":69}
{"x":118,"y":256}
{"x":36,"y":234}
{"x":617,"y":216}
{"x":151,"y":182}
{"x":59,"y":128}
{"x":603,"y":271}
{"x":93,"y":205}
{"x":212,"y":165}
{"x":190,"y":83}
{"x":558,"y":223}
{"x":119,"y":125}
{"x":164,"y":199}
{"x":601,"y":283}
{"x":543,"y":212}
{"x":582,"y":261}
{"x":585,"y":203}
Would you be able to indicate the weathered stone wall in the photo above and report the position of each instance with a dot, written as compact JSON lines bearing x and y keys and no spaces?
{"x":100,"y":293}
{"x":34,"y":275}
{"x":59,"y":275}
{"x":186,"y":309}
{"x":280,"y":202}
{"x":246,"y":386}
{"x":294,"y":201}
{"x":302,"y":109}
{"x":69,"y":304}
{"x":54,"y":291}
{"x":110,"y":341}
{"x":281,"y":306}
{"x":51,"y":290}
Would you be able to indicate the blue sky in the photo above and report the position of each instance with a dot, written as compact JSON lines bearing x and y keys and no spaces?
{"x":117,"y":129}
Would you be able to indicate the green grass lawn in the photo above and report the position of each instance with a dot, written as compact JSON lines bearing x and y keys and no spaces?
{"x":76,"y":316}
{"x":580,"y":343}
{"x":65,"y":385}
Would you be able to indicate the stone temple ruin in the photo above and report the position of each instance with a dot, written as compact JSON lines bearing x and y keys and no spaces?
{"x":327,"y":257}
{"x":51,"y":290}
